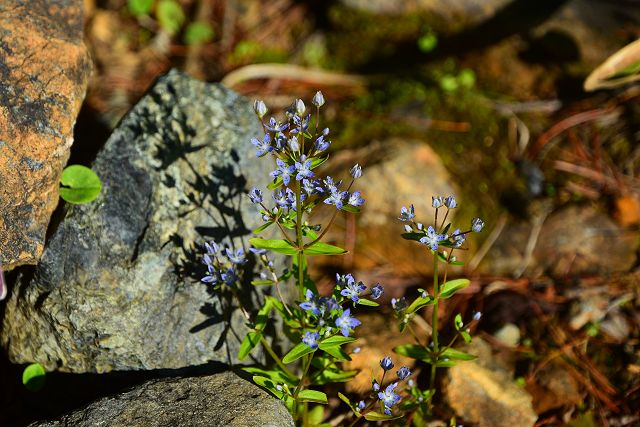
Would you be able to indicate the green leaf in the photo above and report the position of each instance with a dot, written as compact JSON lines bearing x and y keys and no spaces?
{"x":317,"y":161}
{"x":139,"y":7}
{"x":346,"y":400}
{"x":458,"y":321}
{"x":368,"y":302}
{"x":33,"y":377}
{"x":297,"y":352}
{"x":312,"y":396}
{"x":268,"y":384}
{"x":446,"y":363}
{"x":336,"y":340}
{"x":249,"y":342}
{"x":420,"y":302}
{"x":332,"y":376}
{"x":275,"y":375}
{"x":309,"y":233}
{"x":319,"y":248}
{"x":170,"y":16}
{"x":263,"y":315}
{"x":315,"y":415}
{"x":198,"y":33}
{"x":453,"y":354}
{"x":262,"y":282}
{"x":451,"y":287}
{"x":466,"y":336}
{"x":350,"y":209}
{"x":337,"y":352}
{"x":275,"y":183}
{"x":413,"y":351}
{"x":427,"y":42}
{"x":277,"y":245}
{"x":412,"y":236}
{"x":79,"y":184}
{"x":262,"y":227}
{"x":377,"y":416}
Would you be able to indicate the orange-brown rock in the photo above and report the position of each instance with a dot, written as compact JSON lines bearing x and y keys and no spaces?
{"x":44,"y":68}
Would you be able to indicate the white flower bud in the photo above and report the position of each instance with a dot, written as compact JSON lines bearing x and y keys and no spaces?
{"x":318,"y":99}
{"x":300,"y":107}
{"x":260,"y":108}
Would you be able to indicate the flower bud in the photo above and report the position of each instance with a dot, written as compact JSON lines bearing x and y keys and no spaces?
{"x":386,"y":363}
{"x":318,"y":99}
{"x":260,"y":108}
{"x":356,"y":171}
{"x":436,"y":201}
{"x":477,"y":225}
{"x":450,"y":202}
{"x":300,"y":107}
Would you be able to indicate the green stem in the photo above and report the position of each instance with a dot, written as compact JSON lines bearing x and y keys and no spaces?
{"x":274,"y":356}
{"x":434,"y":331}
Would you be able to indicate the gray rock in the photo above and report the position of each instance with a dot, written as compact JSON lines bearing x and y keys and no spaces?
{"x":118,"y":284}
{"x":44,"y":70}
{"x":216,"y":400}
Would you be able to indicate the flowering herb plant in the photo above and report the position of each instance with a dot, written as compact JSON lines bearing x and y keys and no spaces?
{"x":318,"y":326}
{"x":441,"y":243}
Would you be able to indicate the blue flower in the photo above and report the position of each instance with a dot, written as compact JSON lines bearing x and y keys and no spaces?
{"x":291,"y":198}
{"x":375,"y":386}
{"x":255,"y":195}
{"x":275,"y":126}
{"x":293,"y":143}
{"x":311,"y":186}
{"x":377,"y":291}
{"x":458,"y":238}
{"x":311,"y":339}
{"x":336,"y":197}
{"x":399,"y":304}
{"x":403,"y":373}
{"x":238,"y":258}
{"x":304,"y":168}
{"x":321,"y":144}
{"x":436,"y":201}
{"x":345,"y":322}
{"x":407,"y":214}
{"x":360,"y":405}
{"x":258,"y":251}
{"x":477,"y":225}
{"x":353,"y":290}
{"x":386,"y":363}
{"x":330,"y":303}
{"x":450,"y":202}
{"x":355,"y":199}
{"x":389,"y":398}
{"x":312,"y":304}
{"x":263,"y":146}
{"x":283,"y":170}
{"x":432,"y":238}
{"x":212,"y":273}
{"x":280,"y":141}
{"x":229,"y":277}
{"x":280,"y":196}
{"x":212,"y":247}
{"x":301,"y":124}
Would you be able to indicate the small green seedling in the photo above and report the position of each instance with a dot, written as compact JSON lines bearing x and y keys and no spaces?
{"x":33,"y":377}
{"x":79,"y":184}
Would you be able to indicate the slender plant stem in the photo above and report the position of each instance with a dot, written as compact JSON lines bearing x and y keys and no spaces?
{"x":434,"y":330}
{"x":305,"y":369}
{"x":275,"y":357}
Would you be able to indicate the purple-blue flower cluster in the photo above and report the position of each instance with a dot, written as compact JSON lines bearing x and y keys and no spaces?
{"x":222,"y":264}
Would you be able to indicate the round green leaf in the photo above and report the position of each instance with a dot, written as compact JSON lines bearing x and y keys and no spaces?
{"x":170,"y":15}
{"x":79,"y":184}
{"x":139,"y":7}
{"x":198,"y":32}
{"x":33,"y":377}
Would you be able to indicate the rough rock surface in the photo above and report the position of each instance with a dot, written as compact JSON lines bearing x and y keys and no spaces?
{"x":118,"y":285}
{"x":44,"y":69}
{"x":396,"y":173}
{"x":224,"y":400}
{"x":483,"y":391}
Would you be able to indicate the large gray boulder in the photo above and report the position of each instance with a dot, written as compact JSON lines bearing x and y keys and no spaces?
{"x":224,"y":400}
{"x":118,"y":285}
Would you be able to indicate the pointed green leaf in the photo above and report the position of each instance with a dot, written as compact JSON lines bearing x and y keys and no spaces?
{"x":275,"y":375}
{"x":262,"y":227}
{"x":268,"y":384}
{"x":350,"y":209}
{"x":336,"y":340}
{"x":453,"y":354}
{"x":312,"y":396}
{"x":319,"y":248}
{"x":250,"y":341}
{"x":317,"y":161}
{"x":420,"y":302}
{"x":346,"y":400}
{"x":277,"y":245}
{"x":368,"y":302}
{"x":262,"y":282}
{"x":332,"y":376}
{"x":377,"y":416}
{"x":275,"y":184}
{"x":413,"y":351}
{"x":412,"y":236}
{"x":337,"y":352}
{"x":449,"y":288}
{"x":297,"y":352}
